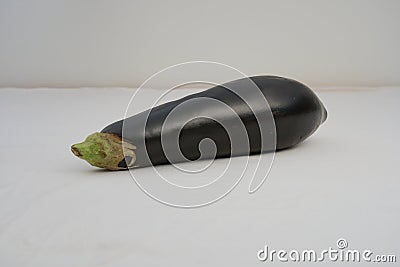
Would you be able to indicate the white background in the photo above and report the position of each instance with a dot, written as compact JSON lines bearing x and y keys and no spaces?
{"x":342,"y":182}
{"x":57,"y":210}
{"x":55,"y":43}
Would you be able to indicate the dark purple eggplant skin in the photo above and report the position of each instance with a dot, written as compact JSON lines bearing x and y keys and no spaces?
{"x":296,"y":110}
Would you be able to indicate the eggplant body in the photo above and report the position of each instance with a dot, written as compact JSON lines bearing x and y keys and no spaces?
{"x":297,"y":113}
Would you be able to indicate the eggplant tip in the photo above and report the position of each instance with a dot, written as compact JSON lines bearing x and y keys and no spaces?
{"x":106,"y":151}
{"x":324,"y":115}
{"x":75,"y":150}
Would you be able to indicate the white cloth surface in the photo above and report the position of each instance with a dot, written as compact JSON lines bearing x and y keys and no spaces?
{"x":56,"y":210}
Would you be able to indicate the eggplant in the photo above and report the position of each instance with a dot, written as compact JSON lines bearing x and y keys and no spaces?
{"x":137,"y":141}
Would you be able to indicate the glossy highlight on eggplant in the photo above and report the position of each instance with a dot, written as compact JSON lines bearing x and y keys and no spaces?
{"x":136,"y":141}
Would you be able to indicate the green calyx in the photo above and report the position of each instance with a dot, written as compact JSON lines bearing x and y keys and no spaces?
{"x":105,"y":150}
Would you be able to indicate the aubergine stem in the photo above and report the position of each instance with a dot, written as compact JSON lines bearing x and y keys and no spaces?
{"x":105,"y":150}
